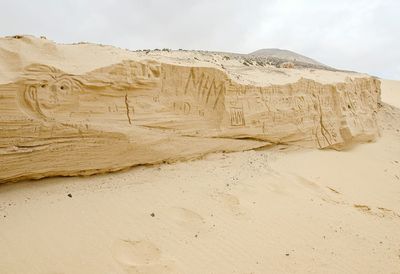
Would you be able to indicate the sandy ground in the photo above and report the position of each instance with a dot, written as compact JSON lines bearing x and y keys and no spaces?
{"x":277,"y":210}
{"x":281,"y":210}
{"x":391,"y":92}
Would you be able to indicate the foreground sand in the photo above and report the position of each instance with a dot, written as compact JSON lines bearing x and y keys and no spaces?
{"x":282,"y":210}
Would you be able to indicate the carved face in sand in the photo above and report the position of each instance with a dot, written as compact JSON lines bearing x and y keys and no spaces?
{"x":51,"y":100}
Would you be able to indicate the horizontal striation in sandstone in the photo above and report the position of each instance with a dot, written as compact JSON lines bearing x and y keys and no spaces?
{"x":57,"y":124}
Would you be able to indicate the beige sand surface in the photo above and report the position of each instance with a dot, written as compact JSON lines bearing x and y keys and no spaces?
{"x":392,"y":92}
{"x":286,"y":209}
{"x":283,"y":210}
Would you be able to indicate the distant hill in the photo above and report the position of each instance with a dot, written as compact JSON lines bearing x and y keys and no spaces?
{"x":286,"y":55}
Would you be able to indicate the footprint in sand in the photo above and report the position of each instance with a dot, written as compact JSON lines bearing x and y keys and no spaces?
{"x":230,"y":201}
{"x":140,"y":257}
{"x":306,"y":182}
{"x":337,"y":199}
{"x":388,"y":212}
{"x":323,"y":193}
{"x":135,"y":252}
{"x":363,"y":208}
{"x":380,"y":212}
{"x":184,"y":217}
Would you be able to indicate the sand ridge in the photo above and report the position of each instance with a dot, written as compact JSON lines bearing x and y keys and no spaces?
{"x":80,"y":58}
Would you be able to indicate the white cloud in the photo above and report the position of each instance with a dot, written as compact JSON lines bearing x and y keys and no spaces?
{"x":358,"y":35}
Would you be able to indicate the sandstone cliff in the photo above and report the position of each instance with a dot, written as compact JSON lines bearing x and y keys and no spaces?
{"x":54,"y":123}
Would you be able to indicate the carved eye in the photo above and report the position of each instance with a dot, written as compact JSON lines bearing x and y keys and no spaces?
{"x":64,"y":87}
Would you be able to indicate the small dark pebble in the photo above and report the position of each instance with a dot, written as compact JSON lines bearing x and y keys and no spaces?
{"x":70,"y":195}
{"x":196,"y":235}
{"x":227,"y":184}
{"x":4,"y":216}
{"x":152,"y":215}
{"x":287,"y":254}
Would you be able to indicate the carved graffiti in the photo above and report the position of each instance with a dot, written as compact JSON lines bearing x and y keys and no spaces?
{"x":205,"y":88}
{"x":237,"y":117}
{"x":47,"y":100}
{"x":182,"y":107}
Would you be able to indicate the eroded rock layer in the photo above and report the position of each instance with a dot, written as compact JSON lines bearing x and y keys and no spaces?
{"x":53,"y":123}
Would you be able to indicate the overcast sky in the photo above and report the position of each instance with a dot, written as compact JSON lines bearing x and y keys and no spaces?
{"x":361,"y":35}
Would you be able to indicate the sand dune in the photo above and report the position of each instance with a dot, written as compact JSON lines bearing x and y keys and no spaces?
{"x":287,"y":55}
{"x":288,"y":208}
